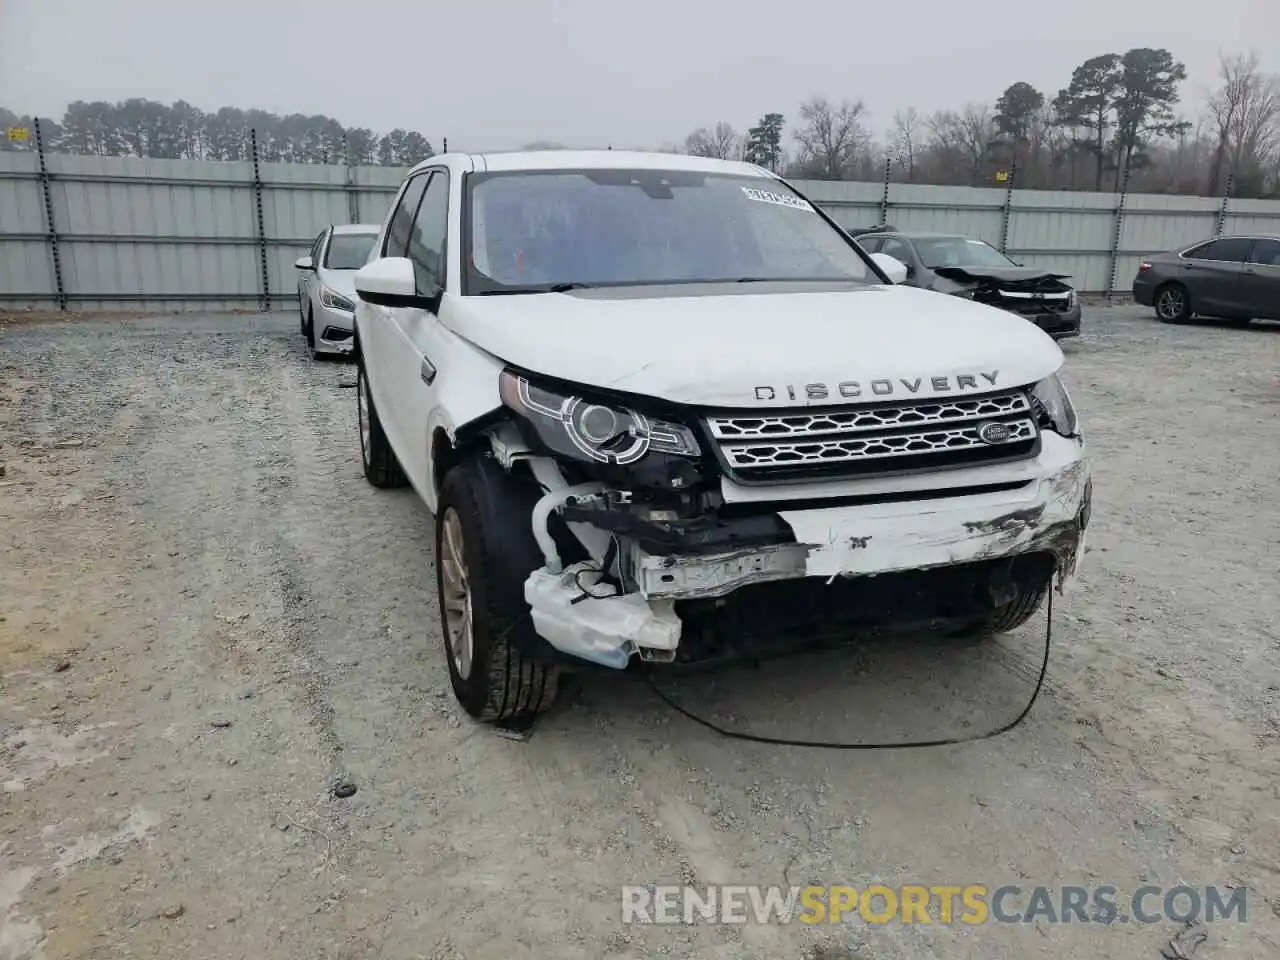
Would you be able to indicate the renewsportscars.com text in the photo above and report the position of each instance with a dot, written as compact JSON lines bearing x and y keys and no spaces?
{"x":971,"y":904}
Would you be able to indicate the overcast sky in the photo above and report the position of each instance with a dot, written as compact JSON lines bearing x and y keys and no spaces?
{"x":490,"y":74}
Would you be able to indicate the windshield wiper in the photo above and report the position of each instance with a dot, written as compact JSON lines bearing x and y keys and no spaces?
{"x":845,"y":279}
{"x":543,"y":288}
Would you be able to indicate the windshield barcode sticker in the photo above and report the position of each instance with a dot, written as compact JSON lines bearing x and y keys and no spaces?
{"x":781,"y":199}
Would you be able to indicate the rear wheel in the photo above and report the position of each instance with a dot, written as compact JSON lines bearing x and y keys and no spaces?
{"x":381,"y":467}
{"x":485,"y":551}
{"x":1173,"y":303}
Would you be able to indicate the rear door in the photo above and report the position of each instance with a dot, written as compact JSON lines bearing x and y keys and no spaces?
{"x":1260,"y":284}
{"x":1213,"y":273}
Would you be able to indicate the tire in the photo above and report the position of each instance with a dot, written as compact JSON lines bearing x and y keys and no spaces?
{"x":495,"y":677}
{"x":1008,"y":616}
{"x":310,"y":331}
{"x":1172,"y":303}
{"x":381,"y":467}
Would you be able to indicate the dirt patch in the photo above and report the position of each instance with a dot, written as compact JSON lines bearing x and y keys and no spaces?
{"x":210,"y":620}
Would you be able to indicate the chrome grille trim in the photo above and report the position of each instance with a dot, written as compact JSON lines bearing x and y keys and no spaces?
{"x":828,"y":451}
{"x":790,"y":445}
{"x":820,"y":423}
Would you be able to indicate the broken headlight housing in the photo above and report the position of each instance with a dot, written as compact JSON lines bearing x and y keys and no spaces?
{"x":595,"y":432}
{"x":1054,"y":407}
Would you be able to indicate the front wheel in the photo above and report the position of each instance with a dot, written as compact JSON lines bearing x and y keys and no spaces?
{"x":1173,"y":303}
{"x":381,"y":467}
{"x":485,"y":551}
{"x":1008,"y":616}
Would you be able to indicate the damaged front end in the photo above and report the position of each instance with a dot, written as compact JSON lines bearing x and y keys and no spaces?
{"x":1039,"y":295}
{"x":652,"y":551}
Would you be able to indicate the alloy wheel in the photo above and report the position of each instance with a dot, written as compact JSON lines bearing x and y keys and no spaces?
{"x":1171,"y":304}
{"x":456,"y":593}
{"x":362,"y":407}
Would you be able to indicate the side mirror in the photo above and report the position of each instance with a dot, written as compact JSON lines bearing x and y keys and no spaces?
{"x":389,"y":282}
{"x":304,"y":263}
{"x":891,"y":267}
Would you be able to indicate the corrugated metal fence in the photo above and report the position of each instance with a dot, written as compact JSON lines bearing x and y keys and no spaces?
{"x":89,"y":233}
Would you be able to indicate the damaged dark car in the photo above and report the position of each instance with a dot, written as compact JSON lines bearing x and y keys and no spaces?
{"x":970,"y":268}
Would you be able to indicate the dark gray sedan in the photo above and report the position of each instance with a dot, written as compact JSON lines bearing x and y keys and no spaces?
{"x":971,"y":268}
{"x":1232,"y":278}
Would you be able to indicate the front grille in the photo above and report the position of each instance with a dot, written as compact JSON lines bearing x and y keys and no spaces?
{"x":874,"y":440}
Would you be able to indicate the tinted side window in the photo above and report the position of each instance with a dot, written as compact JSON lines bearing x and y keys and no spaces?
{"x":402,"y":219}
{"x":870,"y":244}
{"x":315,"y":246}
{"x":1266,"y":252}
{"x":1233,"y":249}
{"x":427,"y":239}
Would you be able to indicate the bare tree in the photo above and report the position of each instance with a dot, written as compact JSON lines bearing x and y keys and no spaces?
{"x":830,"y":136}
{"x":905,"y":137}
{"x":1245,"y":112}
{"x":721,"y":142}
{"x":977,"y":130}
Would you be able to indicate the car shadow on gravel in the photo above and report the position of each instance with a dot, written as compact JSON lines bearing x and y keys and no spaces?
{"x":881,"y":689}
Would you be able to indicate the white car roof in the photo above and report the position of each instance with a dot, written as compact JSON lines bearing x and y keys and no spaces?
{"x":516,"y":160}
{"x":357,"y":228}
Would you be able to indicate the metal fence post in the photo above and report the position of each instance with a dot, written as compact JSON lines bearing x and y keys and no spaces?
{"x":54,"y":252}
{"x":1226,"y":202}
{"x":445,"y":142}
{"x":884,"y":194}
{"x":265,"y":293}
{"x":1007,"y":213}
{"x":1116,"y":230}
{"x":349,"y":184}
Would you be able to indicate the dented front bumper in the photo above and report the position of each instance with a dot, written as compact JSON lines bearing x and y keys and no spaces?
{"x":1045,"y":509}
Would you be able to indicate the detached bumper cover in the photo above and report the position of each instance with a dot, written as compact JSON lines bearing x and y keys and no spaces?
{"x":1047,"y":515}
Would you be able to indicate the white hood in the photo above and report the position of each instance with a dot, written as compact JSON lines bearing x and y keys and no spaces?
{"x":762,"y":348}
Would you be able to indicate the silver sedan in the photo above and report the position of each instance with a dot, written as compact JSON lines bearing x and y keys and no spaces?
{"x":326,"y":285}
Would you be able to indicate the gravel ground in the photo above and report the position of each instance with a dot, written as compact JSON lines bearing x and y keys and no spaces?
{"x":207,"y":619}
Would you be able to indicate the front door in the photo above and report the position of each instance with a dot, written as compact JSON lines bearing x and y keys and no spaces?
{"x":306,"y":278}
{"x":419,"y":332}
{"x":379,"y":340}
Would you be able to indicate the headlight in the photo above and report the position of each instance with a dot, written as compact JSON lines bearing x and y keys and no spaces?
{"x":580,"y":428}
{"x":335,"y":302}
{"x":1053,"y":403}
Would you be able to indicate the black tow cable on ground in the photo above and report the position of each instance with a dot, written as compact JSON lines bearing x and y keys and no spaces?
{"x":901,"y":745}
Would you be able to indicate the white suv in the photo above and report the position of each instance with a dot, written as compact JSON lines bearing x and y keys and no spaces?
{"x":660,"y":405}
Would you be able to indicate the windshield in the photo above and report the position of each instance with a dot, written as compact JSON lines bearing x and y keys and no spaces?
{"x":959,"y":252}
{"x":349,"y":251}
{"x":534,"y":230}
